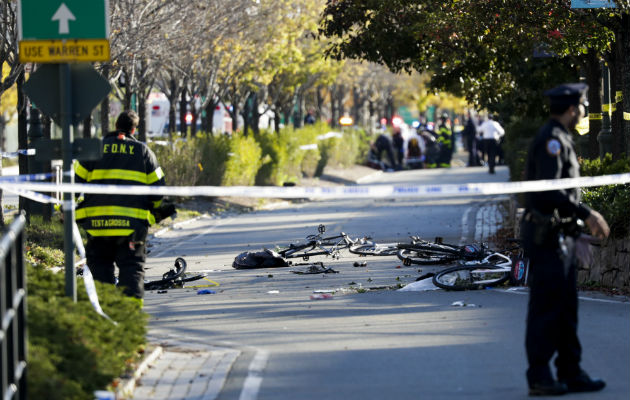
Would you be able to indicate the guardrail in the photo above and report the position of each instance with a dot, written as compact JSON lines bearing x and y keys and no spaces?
{"x":13,"y":312}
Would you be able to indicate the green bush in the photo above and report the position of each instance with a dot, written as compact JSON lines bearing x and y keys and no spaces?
{"x":72,"y":351}
{"x":612,"y":201}
{"x":213,"y":158}
{"x":283,"y":158}
{"x":343,"y":151}
{"x":243,"y":162}
{"x":266,"y":158}
{"x":179,"y":161}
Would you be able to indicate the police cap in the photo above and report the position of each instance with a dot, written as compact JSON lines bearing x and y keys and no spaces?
{"x":568,"y":94}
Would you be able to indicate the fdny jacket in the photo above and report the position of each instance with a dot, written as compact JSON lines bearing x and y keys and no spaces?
{"x":125,"y":161}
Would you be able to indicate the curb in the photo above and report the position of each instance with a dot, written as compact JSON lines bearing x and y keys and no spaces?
{"x":126,"y":388}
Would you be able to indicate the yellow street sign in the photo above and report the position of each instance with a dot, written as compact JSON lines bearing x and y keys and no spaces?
{"x":61,"y":51}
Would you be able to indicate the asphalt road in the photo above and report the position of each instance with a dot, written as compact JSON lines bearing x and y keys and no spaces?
{"x":369,"y":341}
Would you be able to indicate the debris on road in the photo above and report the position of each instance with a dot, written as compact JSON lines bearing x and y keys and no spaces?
{"x":321,"y":296}
{"x":206,"y":291}
{"x":314,"y":268}
{"x":419,"y":286}
{"x":461,"y":303}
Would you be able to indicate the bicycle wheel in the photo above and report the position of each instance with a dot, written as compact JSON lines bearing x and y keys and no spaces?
{"x":374,"y":249}
{"x":169,"y":278}
{"x":409,"y":256}
{"x":469,"y":277}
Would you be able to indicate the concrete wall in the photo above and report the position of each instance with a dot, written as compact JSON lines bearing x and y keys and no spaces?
{"x":610,"y":266}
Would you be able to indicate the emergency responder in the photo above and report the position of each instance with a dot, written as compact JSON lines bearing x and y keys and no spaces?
{"x":491,"y":132}
{"x":117,"y":225}
{"x":445,"y":140}
{"x":549,"y":230}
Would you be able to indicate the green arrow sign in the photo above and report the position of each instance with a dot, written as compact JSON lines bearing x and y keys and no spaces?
{"x":63,"y":19}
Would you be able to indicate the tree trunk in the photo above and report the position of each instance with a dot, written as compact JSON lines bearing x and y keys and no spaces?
{"x":276,"y":120}
{"x":172,"y":108}
{"x":234,"y":115}
{"x":320,"y":103}
{"x":104,"y":108}
{"x":616,"y":117}
{"x":298,"y":120}
{"x":86,"y":129}
{"x":594,"y":80}
{"x":183,"y":106}
{"x":141,"y":99}
{"x":625,"y":79}
{"x":255,"y":114}
{"x":209,"y":120}
{"x":334,"y":114}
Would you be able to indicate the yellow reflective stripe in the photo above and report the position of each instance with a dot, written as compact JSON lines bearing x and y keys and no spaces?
{"x":122,"y":174}
{"x":157,"y":203}
{"x":155,"y":176}
{"x":80,"y":170}
{"x":110,"y":232}
{"x":118,"y":211}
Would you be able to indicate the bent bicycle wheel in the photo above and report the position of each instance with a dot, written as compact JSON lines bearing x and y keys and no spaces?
{"x":409,"y":257}
{"x":470,"y":277}
{"x":374,"y":249}
{"x":303,"y":253}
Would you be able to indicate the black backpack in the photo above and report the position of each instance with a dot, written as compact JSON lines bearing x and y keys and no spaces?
{"x":259,"y":259}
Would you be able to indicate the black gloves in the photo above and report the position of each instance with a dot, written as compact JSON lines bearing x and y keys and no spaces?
{"x":164,"y":211}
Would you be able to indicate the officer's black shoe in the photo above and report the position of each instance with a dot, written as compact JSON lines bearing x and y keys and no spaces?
{"x":547,"y":388}
{"x":583,"y":383}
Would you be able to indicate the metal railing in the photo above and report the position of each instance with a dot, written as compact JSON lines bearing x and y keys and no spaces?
{"x":13,"y":312}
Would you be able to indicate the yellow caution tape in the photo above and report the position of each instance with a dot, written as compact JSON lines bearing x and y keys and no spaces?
{"x":583,"y":126}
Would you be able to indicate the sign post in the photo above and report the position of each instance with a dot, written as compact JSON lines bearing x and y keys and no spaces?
{"x":59,"y":32}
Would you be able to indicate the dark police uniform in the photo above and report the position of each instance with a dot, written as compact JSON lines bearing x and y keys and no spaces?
{"x":117,"y":225}
{"x":553,"y":303}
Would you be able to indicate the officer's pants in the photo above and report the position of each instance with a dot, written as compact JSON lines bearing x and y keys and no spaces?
{"x":490,"y":147}
{"x":127,"y":253}
{"x":552,"y":315}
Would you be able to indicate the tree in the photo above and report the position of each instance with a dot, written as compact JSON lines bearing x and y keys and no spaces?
{"x":8,"y":62}
{"x":482,"y":50}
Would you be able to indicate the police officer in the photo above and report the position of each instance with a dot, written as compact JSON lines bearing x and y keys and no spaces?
{"x":117,"y":225}
{"x":552,"y":311}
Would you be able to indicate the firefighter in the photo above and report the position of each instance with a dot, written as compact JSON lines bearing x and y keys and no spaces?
{"x":445,"y":139}
{"x":117,"y":225}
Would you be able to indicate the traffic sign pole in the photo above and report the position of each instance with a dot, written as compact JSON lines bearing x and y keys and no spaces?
{"x":65,"y":90}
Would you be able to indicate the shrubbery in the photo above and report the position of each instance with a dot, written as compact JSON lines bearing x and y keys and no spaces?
{"x":612,"y":201}
{"x":267,"y":158}
{"x":72,"y":350}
